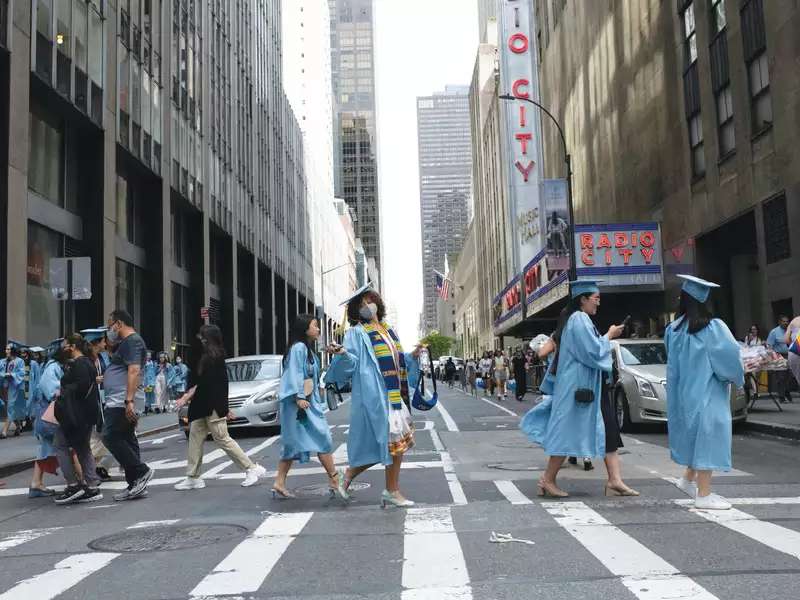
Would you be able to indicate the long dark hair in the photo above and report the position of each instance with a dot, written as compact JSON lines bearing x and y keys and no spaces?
{"x":696,"y":315}
{"x":573,"y":306}
{"x":76,"y":339}
{"x":213,"y":348}
{"x":297,"y":334}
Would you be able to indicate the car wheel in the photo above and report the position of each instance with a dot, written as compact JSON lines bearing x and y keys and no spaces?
{"x":623,"y":411}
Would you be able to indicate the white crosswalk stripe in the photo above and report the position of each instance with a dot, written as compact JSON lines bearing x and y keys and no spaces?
{"x":247,"y":566}
{"x":21,"y":537}
{"x":512,"y":493}
{"x":66,"y":573}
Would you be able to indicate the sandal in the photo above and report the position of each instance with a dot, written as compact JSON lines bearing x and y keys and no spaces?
{"x":339,"y":488}
{"x":281,"y":492}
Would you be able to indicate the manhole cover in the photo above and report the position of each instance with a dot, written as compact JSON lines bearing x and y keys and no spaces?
{"x":153,"y":539}
{"x":322,"y":489}
{"x":513,"y":467}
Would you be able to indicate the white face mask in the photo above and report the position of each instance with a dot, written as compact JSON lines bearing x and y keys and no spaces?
{"x":368,"y":311}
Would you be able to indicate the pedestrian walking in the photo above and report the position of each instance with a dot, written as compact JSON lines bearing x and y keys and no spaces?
{"x":161,"y":385}
{"x":780,"y":381}
{"x":381,"y":429}
{"x":520,"y":365}
{"x":304,"y":428}
{"x":471,"y":370}
{"x":208,"y":413}
{"x":78,"y":412}
{"x":500,"y":370}
{"x":43,"y":430}
{"x":32,"y":373}
{"x":450,"y":371}
{"x":98,"y":353}
{"x":703,"y":359}
{"x":12,"y":371}
{"x":180,"y":375}
{"x":571,"y":422}
{"x":792,"y":331}
{"x":122,"y":382}
{"x":485,"y":366}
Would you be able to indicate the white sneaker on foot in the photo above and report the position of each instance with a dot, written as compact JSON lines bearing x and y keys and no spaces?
{"x":712,"y":502}
{"x":191,"y":483}
{"x":252,"y":475}
{"x":687,"y":487}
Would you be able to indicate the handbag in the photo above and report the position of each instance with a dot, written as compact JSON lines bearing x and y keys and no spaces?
{"x":333,"y":396}
{"x":584,"y":396}
{"x":419,"y":401}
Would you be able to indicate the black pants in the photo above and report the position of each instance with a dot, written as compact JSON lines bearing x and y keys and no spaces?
{"x":119,"y":436}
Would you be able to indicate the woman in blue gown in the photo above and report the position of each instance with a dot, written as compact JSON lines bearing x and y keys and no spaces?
{"x":703,"y":360}
{"x":12,"y":372}
{"x":381,"y":429}
{"x":304,"y":428}
{"x":570,"y":422}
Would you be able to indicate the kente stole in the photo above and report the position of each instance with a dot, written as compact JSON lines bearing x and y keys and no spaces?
{"x":394,"y":374}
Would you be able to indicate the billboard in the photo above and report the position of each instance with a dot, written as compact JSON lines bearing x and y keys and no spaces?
{"x":626,"y":256}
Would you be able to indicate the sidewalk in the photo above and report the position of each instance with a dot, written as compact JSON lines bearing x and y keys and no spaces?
{"x":16,"y":454}
{"x":765,"y":417}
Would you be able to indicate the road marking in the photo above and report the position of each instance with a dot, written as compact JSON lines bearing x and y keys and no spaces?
{"x":66,"y":573}
{"x":495,"y":404}
{"x":430,"y":464}
{"x":643,"y":572}
{"x":776,"y":537}
{"x":161,"y":440}
{"x":433,"y":562}
{"x":22,"y":537}
{"x":212,"y":472}
{"x":448,"y":420}
{"x":749,"y":501}
{"x":161,"y":465}
{"x":247,"y":566}
{"x":459,"y":497}
{"x":143,"y":524}
{"x":511,"y":492}
{"x":340,"y":455}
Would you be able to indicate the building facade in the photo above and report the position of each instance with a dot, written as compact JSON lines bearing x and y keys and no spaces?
{"x":155,"y":138}
{"x":686,"y":112}
{"x":465,"y":300}
{"x":445,"y":162}
{"x":354,"y":123}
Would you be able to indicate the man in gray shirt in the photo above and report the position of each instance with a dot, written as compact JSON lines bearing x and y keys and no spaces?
{"x":122,"y":382}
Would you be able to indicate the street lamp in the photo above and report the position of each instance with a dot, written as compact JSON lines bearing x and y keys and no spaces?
{"x":322,"y":274}
{"x":573,"y":275}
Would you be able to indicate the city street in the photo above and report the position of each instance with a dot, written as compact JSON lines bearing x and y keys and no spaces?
{"x":472,"y":475}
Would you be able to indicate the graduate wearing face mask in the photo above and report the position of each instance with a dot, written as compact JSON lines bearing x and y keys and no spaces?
{"x":372,"y":359}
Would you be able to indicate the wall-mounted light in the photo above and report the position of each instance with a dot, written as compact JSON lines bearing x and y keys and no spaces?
{"x":59,"y":38}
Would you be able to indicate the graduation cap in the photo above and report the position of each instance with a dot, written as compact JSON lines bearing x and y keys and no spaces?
{"x":54,"y":346}
{"x":95,"y":334}
{"x":697,"y":288}
{"x":359,"y":292}
{"x":584,"y":286}
{"x":16,"y":345}
{"x":36,"y":349}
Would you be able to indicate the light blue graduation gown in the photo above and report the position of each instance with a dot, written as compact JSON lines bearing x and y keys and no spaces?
{"x":35,"y":372}
{"x":302,"y":438}
{"x":368,"y":440}
{"x":558,"y":423}
{"x":15,"y":386}
{"x":49,"y":383}
{"x":700,"y":369}
{"x":180,"y":374}
{"x":150,"y":372}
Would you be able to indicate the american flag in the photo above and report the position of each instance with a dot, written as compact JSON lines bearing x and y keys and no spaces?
{"x":442,"y":285}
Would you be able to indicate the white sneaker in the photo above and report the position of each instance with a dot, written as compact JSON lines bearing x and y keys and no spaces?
{"x":252,"y":475}
{"x":687,"y":487}
{"x":712,"y":502}
{"x":191,"y":483}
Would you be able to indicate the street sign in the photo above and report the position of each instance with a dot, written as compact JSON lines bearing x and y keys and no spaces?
{"x":77,"y":271}
{"x":204,"y":312}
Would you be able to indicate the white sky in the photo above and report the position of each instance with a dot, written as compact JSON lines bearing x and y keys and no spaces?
{"x":420,"y":46}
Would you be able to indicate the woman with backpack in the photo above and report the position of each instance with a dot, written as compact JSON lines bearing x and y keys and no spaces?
{"x":304,"y":428}
{"x":77,"y":410}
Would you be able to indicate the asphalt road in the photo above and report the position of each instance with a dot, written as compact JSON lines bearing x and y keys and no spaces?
{"x":471,"y":473}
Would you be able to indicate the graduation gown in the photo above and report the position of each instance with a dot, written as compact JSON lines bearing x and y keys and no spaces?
{"x":559,"y":424}
{"x":700,"y":369}
{"x":15,"y":389}
{"x":312,"y":435}
{"x":34,"y":374}
{"x":368,"y":440}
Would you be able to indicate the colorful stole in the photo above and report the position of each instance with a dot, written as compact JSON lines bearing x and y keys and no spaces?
{"x":395,"y":376}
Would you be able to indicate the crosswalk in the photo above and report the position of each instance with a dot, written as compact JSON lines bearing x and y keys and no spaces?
{"x":437,"y":552}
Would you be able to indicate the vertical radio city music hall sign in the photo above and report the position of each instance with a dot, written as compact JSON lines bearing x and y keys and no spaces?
{"x":519,"y":77}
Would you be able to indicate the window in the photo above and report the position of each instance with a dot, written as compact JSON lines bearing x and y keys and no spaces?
{"x":46,"y":156}
{"x":689,"y":34}
{"x":129,"y":289}
{"x":727,"y":137}
{"x":776,"y":230}
{"x":718,"y":17}
{"x":754,"y":37}
{"x":130,"y":213}
{"x":696,"y":145}
{"x":691,"y":90}
{"x":44,"y":37}
{"x":43,"y":311}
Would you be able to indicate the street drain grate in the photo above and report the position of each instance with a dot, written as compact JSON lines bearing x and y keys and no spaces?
{"x":514,"y":467}
{"x":322,"y":489}
{"x":155,"y":539}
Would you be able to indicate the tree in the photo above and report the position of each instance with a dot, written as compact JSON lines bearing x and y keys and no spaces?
{"x":437,"y":343}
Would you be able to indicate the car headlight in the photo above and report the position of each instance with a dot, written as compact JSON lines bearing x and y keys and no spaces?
{"x":262,"y":398}
{"x":646,"y":388}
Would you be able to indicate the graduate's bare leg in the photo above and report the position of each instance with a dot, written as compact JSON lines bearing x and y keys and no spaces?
{"x":353,"y":472}
{"x":330,"y":469}
{"x":703,"y":479}
{"x":547,"y":482}
{"x":690,"y":474}
{"x":283,"y":471}
{"x":615,"y":483}
{"x":393,"y":475}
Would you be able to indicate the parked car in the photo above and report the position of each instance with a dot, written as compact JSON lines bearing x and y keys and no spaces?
{"x":640,"y":380}
{"x":253,"y":383}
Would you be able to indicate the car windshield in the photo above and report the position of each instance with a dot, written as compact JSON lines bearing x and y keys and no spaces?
{"x":643,"y":354}
{"x":254,"y":370}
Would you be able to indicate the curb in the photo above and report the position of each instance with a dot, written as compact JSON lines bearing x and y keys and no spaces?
{"x":23,"y":465}
{"x":784,"y":431}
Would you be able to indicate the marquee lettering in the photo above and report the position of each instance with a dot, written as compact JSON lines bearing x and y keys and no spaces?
{"x":518,"y":85}
{"x":523,"y":139}
{"x":518,"y":43}
{"x":525,"y":170}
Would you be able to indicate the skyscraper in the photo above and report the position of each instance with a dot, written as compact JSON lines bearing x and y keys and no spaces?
{"x":355,"y":142}
{"x":445,"y":163}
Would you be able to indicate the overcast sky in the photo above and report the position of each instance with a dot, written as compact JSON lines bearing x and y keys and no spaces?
{"x":420,"y":46}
